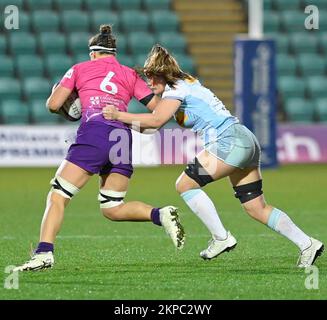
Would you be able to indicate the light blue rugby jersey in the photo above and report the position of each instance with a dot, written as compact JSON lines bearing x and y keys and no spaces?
{"x":200,"y":110}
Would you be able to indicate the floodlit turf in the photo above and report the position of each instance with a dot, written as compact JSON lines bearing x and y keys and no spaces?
{"x":100,"y":259}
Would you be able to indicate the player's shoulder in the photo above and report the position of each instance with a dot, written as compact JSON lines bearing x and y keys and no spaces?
{"x":75,"y":68}
{"x":128,"y":70}
{"x":83,"y":64}
{"x":179,"y":86}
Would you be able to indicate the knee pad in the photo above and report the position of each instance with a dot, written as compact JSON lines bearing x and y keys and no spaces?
{"x":63,"y":187}
{"x":249,"y":191}
{"x":111,"y":199}
{"x":196,"y":172}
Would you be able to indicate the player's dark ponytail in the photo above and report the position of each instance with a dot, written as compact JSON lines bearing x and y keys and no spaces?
{"x":104,"y":39}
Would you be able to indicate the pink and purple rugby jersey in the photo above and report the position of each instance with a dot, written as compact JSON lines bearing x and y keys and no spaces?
{"x":101,"y":82}
{"x":98,"y":83}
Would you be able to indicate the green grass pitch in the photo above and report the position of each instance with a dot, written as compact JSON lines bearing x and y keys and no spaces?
{"x":100,"y":259}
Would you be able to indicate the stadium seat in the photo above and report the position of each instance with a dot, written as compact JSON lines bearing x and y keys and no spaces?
{"x":104,"y":17}
{"x":127,"y":4}
{"x":321,"y":109}
{"x":311,"y":65}
{"x":267,"y":4}
{"x":78,"y":42}
{"x":29,"y":66}
{"x":126,"y":60}
{"x":9,"y":89}
{"x":281,"y":42}
{"x":323,"y":42}
{"x":134,"y":20}
{"x":36,"y":88}
{"x":286,"y":65}
{"x":140,"y":42}
{"x":54,"y":80}
{"x":135,"y":106}
{"x":44,"y":21}
{"x":15,"y":112}
{"x":52,"y":42}
{"x":75,"y":21}
{"x":321,"y":4}
{"x":68,"y":4}
{"x":317,"y":87}
{"x":6,"y":67}
{"x":282,"y":5}
{"x":164,"y":21}
{"x":81,"y":57}
{"x":174,"y":42}
{"x":303,"y":43}
{"x":40,"y":113}
{"x":92,"y":5}
{"x":22,"y":43}
{"x":322,"y":20}
{"x":186,"y":63}
{"x":291,"y":87}
{"x":157,"y":4}
{"x":24,"y":22}
{"x":3,"y":44}
{"x":292,"y":21}
{"x":299,"y":110}
{"x":57,"y":65}
{"x":121,"y":43}
{"x":5,"y":3}
{"x":271,"y":21}
{"x":140,"y":59}
{"x":39,"y":5}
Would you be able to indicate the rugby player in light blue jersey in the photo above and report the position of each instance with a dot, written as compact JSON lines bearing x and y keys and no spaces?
{"x":230,"y":150}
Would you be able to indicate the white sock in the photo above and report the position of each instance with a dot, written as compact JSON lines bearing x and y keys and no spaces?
{"x":281,"y":222}
{"x":202,"y":206}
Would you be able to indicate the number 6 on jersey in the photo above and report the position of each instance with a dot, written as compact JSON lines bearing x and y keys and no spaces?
{"x":106,"y":82}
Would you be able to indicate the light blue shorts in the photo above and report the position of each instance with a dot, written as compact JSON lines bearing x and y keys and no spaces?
{"x":236,"y":146}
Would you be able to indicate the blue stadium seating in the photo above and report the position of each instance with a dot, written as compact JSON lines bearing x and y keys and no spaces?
{"x":53,"y":35}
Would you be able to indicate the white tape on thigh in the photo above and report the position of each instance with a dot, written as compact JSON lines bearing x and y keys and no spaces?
{"x":63,"y":187}
{"x":110,"y":198}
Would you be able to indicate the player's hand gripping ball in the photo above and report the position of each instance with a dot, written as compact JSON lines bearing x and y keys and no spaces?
{"x":71,"y":109}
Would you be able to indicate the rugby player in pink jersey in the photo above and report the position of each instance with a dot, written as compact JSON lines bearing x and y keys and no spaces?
{"x":99,"y":82}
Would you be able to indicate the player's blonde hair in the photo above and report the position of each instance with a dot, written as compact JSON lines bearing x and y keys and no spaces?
{"x":160,"y":63}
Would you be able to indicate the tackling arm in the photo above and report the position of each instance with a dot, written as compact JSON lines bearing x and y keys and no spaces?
{"x":162,"y":113}
{"x":153,"y":102}
{"x":151,"y":105}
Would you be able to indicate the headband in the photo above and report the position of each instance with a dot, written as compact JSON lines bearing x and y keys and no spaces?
{"x":100,"y":48}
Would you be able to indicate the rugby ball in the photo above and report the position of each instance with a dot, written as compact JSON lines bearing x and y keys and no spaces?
{"x":72,"y":108}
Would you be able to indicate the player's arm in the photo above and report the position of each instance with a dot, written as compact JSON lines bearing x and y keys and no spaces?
{"x":57,"y":98}
{"x":151,"y":105}
{"x":162,"y":113}
{"x":150,"y":102}
{"x":62,"y":91}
